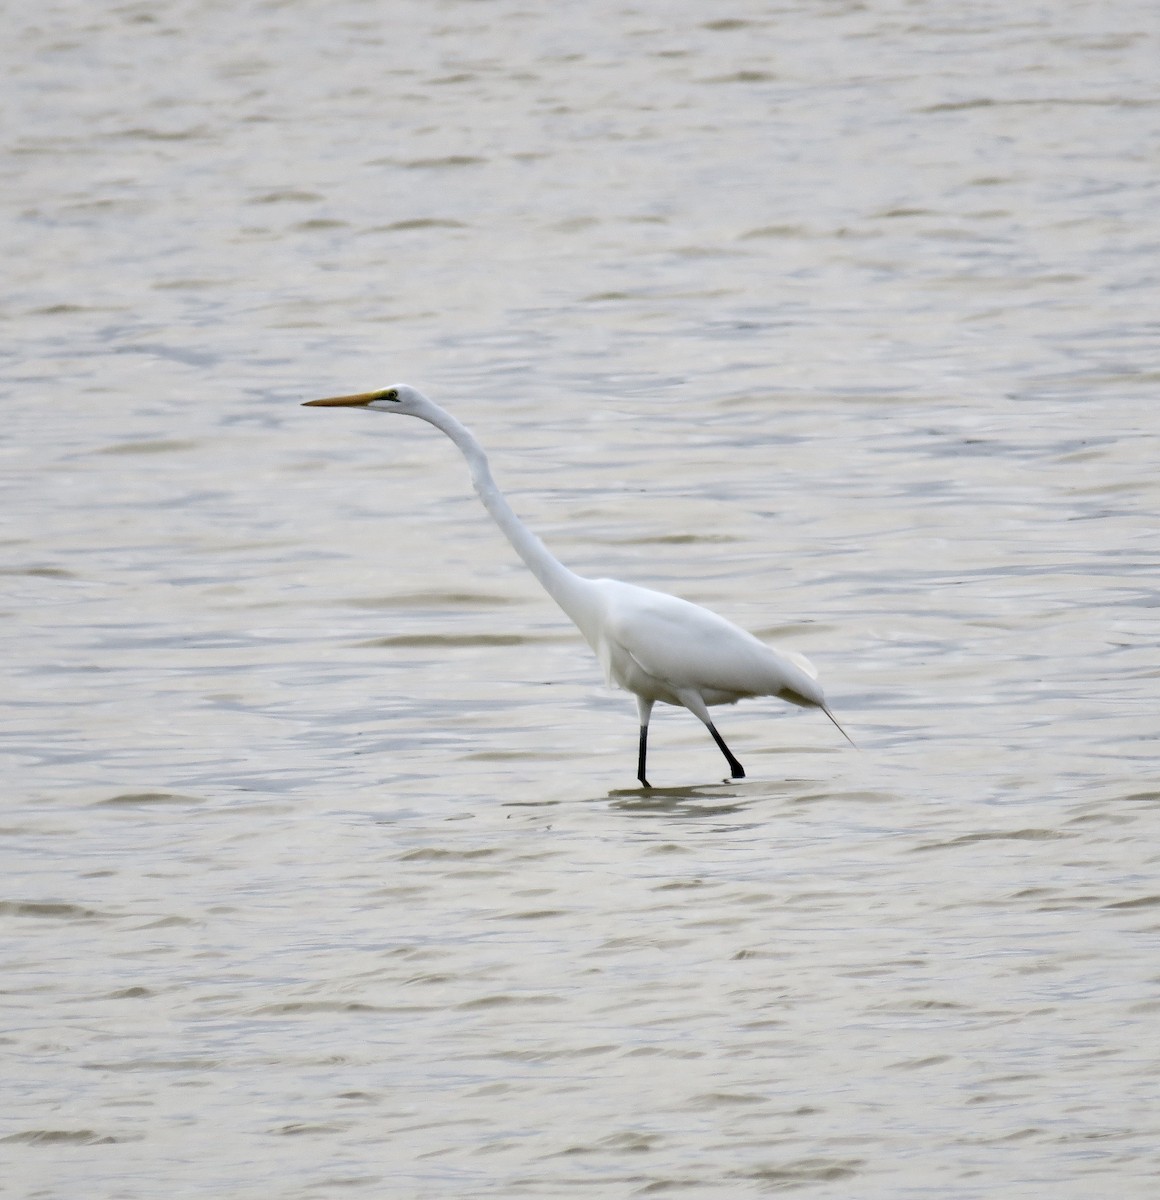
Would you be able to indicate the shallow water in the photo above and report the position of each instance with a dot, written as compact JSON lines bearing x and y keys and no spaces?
{"x":324,"y":868}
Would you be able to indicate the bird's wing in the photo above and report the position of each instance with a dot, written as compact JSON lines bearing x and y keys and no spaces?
{"x":688,"y":647}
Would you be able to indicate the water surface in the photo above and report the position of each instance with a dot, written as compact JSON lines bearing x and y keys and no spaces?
{"x":324,"y":868}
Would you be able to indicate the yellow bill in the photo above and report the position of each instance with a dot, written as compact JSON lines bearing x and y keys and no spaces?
{"x":357,"y":401}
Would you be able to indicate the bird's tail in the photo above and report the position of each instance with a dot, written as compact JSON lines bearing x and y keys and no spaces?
{"x":837,"y":726}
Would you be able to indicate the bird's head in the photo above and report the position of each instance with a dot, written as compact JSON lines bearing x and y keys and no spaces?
{"x":398,"y":398}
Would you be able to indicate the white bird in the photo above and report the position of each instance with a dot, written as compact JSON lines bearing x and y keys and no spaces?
{"x":652,"y":644}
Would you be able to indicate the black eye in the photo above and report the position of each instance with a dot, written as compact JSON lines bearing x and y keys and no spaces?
{"x":389,"y":394}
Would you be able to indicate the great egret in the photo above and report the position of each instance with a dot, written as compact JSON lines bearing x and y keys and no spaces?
{"x":650,"y":643}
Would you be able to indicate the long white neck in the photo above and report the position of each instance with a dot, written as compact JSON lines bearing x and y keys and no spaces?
{"x":572,"y":592}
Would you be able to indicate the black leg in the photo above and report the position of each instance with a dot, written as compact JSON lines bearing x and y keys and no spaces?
{"x":641,"y":756}
{"x":734,"y":766}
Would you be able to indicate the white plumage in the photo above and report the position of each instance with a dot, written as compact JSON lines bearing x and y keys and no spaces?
{"x":659,"y":647}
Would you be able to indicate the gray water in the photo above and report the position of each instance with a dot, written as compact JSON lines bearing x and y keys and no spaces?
{"x":323,"y":868}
